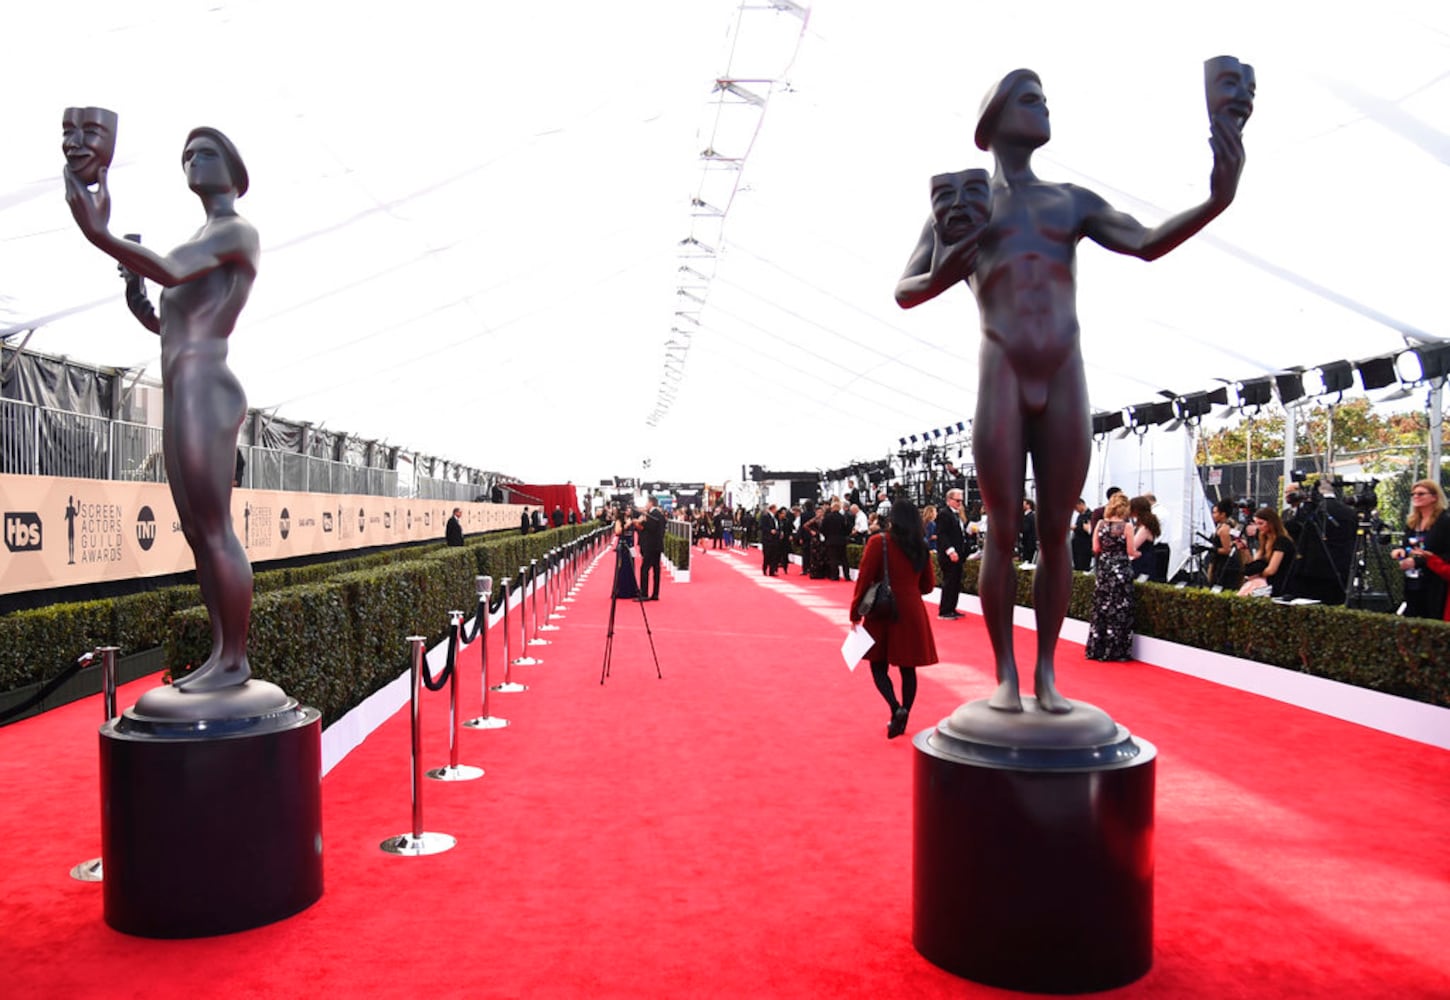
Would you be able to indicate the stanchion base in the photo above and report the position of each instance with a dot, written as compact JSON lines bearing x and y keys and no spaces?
{"x":87,"y":871}
{"x":550,"y":628}
{"x":463,"y":772}
{"x":525,"y":661}
{"x":409,"y":846}
{"x":537,"y":641}
{"x":486,"y":722}
{"x":509,"y":688}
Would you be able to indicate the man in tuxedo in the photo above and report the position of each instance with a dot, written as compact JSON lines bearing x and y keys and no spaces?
{"x":651,"y":528}
{"x":951,"y":549}
{"x":453,"y":531}
{"x":525,"y":522}
{"x":769,"y":540}
{"x":833,"y":536}
{"x":1082,"y":537}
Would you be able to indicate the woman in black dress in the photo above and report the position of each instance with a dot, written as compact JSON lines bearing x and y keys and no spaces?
{"x":1110,"y":633}
{"x":1427,"y":532}
{"x":626,"y":584}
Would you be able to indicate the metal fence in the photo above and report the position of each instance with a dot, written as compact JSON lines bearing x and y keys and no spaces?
{"x":447,"y":489}
{"x":38,"y":440}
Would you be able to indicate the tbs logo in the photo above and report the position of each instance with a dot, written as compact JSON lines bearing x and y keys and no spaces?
{"x":145,"y":529}
{"x":22,"y":531}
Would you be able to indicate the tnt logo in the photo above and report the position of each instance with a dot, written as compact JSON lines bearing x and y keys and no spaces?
{"x":145,"y":528}
{"x":22,"y":531}
{"x":284,"y":524}
{"x":327,"y":520}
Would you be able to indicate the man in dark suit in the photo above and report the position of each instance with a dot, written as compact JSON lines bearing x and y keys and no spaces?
{"x":951,"y":549}
{"x":453,"y":531}
{"x":833,"y":536}
{"x":525,"y":522}
{"x":651,"y":528}
{"x":769,"y":540}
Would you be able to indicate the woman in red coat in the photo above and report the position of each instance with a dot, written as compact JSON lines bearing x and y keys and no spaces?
{"x":907,"y":641}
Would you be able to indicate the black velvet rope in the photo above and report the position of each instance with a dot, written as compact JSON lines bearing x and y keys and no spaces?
{"x":480,"y":620}
{"x":447,"y":674}
{"x":46,"y":690}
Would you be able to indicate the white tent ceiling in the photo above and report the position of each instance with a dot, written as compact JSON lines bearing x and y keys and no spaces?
{"x":471,"y":213}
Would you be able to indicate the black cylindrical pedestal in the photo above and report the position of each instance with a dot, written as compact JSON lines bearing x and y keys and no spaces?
{"x":1030,"y":877}
{"x":210,"y":827}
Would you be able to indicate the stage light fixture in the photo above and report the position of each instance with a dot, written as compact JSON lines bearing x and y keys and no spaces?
{"x":1376,"y":373}
{"x":913,"y":439}
{"x":1197,"y":405}
{"x":903,"y":442}
{"x":1106,"y":421}
{"x":1255,"y":391}
{"x":936,"y":433}
{"x":1335,"y":376}
{"x":961,"y":426}
{"x":1423,"y":363}
{"x":1290,"y":386}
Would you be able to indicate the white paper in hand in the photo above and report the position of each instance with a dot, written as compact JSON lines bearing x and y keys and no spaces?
{"x":858,"y":641}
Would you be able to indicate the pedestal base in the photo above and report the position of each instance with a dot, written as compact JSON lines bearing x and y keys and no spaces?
{"x":210,"y":827}
{"x":1029,"y":876}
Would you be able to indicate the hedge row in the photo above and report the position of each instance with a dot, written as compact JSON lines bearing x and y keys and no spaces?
{"x":1408,"y":657}
{"x":36,"y":645}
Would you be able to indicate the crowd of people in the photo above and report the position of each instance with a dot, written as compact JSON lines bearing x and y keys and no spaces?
{"x":1252,"y":552}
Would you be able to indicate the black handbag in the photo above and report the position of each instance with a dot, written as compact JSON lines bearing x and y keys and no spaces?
{"x":878,"y":603}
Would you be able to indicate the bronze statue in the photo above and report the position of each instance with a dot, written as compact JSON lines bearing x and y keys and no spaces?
{"x":206,"y":282}
{"x":88,"y":139}
{"x":1032,"y":396}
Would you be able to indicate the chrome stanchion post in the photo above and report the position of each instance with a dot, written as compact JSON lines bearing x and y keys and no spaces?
{"x":508,"y":684}
{"x":571,"y":565}
{"x":525,"y":660}
{"x":534,"y":603}
{"x":417,"y":842}
{"x":485,"y":720}
{"x":556,"y":580}
{"x":454,"y":771}
{"x":551,"y":593}
{"x":91,"y":871}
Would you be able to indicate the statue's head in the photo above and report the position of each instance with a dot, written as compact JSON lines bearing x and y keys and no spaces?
{"x":960,"y":202}
{"x":1229,"y":85}
{"x":206,"y":146}
{"x":88,"y":139}
{"x":1016,"y":106}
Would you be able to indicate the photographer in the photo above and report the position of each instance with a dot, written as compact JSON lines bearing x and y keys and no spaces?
{"x":1225,"y":565}
{"x":1428,"y":533}
{"x":1273,"y":559}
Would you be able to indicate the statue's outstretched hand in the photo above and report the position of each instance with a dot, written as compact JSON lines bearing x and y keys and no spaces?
{"x":92,"y":211}
{"x":1227,"y":142}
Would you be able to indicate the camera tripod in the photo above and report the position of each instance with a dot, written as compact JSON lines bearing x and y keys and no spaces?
{"x":1368,"y":552}
{"x":624,"y":562}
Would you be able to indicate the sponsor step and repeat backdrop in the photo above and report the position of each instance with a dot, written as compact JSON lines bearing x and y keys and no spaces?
{"x":62,"y":532}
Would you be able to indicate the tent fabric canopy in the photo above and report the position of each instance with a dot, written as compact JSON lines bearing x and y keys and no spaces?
{"x":475,"y":214}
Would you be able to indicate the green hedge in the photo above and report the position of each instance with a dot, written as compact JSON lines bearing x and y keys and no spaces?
{"x":38,"y":644}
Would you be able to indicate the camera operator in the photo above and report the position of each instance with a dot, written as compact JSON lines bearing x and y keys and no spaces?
{"x":1273,"y":555}
{"x":1322,"y":526}
{"x":1428,"y":532}
{"x":1225,"y":564}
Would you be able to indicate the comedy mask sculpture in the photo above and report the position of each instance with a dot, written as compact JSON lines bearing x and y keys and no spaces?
{"x":1032,"y":397}
{"x":205,"y":284}
{"x":88,"y":139}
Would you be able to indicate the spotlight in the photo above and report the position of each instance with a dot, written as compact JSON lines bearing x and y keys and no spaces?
{"x":903,"y":442}
{"x":1423,"y":362}
{"x":1255,"y":391}
{"x":1336,"y":376}
{"x":1290,"y":385}
{"x":961,"y":426}
{"x":1197,"y":405}
{"x":1106,"y":421}
{"x":1376,"y":373}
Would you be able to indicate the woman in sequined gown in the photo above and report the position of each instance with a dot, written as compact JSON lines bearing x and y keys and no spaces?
{"x":1110,"y":633}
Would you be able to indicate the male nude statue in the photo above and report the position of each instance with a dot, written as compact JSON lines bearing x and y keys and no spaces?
{"x":1032,"y":396}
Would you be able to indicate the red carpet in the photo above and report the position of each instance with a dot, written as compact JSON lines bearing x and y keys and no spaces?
{"x":742,"y":828}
